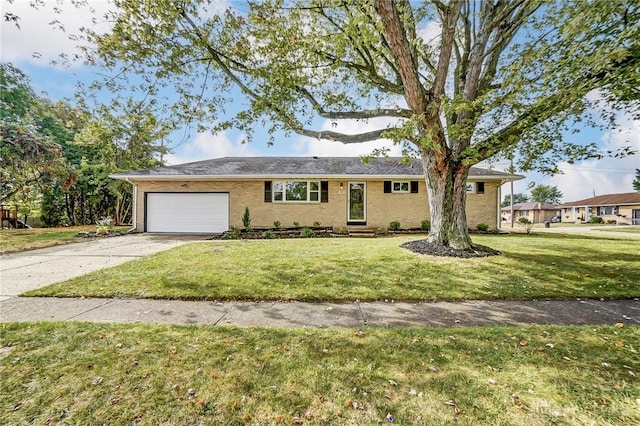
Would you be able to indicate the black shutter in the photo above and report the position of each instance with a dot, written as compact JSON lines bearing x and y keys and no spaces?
{"x":479,"y":187}
{"x":324,"y":191}
{"x":387,"y":187}
{"x":267,"y":191}
{"x":414,"y":187}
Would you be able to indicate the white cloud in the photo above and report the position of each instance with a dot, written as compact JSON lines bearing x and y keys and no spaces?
{"x":206,"y":146}
{"x":305,"y":146}
{"x":38,"y":35}
{"x":605,"y":176}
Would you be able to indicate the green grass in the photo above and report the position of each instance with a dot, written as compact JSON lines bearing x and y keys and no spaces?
{"x":15,"y":240}
{"x":531,"y":266}
{"x":625,"y":229}
{"x":80,"y":373}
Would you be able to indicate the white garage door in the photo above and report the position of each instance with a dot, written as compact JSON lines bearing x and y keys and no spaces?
{"x":187,"y":212}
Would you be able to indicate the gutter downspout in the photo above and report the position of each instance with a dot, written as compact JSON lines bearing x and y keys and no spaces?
{"x":134,"y":206}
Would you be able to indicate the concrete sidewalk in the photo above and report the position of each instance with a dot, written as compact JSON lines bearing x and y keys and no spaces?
{"x":298,"y":314}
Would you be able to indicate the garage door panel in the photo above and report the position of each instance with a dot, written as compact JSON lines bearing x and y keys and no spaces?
{"x":187,"y":212}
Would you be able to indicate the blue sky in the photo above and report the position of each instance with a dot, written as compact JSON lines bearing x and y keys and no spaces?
{"x":581,"y":180}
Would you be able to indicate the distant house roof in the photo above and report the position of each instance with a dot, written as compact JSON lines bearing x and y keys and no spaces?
{"x":607,"y":200}
{"x":531,"y":206}
{"x":275,"y":167}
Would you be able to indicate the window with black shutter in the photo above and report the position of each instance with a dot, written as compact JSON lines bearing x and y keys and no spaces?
{"x":387,"y":187}
{"x":414,"y":187}
{"x":479,"y":187}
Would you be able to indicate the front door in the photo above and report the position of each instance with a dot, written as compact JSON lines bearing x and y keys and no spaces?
{"x":357,"y":202}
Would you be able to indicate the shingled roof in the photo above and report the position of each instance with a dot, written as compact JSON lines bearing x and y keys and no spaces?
{"x":532,"y":206}
{"x":254,"y":167}
{"x":607,"y":200}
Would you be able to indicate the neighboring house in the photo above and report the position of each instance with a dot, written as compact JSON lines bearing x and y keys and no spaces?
{"x":211,"y":196}
{"x":621,"y":208}
{"x":535,"y":212}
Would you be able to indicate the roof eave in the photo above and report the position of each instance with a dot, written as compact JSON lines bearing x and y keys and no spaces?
{"x":126,"y":177}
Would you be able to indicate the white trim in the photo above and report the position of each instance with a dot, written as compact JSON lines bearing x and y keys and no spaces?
{"x":364,"y":201}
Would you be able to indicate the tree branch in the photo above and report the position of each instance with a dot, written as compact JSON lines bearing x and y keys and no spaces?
{"x":363,"y":114}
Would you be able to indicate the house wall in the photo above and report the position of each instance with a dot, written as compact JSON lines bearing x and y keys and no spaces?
{"x":409,"y":209}
{"x":584,"y":213}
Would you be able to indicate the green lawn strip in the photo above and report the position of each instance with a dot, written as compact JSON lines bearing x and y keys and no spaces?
{"x":82,"y":373}
{"x":531,"y":266}
{"x":15,"y":240}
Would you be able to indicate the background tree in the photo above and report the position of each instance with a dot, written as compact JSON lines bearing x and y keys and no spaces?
{"x":517,"y":198}
{"x":546,"y":194}
{"x":59,"y":158}
{"x":456,"y":82}
{"x":636,"y":181}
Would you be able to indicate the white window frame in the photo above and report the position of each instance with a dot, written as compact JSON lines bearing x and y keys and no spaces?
{"x":280,"y":188}
{"x":602,"y":210}
{"x":400,"y":184}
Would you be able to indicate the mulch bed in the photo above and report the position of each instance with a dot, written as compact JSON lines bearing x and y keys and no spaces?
{"x":97,"y":235}
{"x":424,"y":247}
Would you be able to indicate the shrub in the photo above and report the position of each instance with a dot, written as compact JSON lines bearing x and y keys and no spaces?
{"x":268,"y":234}
{"x":425,"y":225}
{"x":246,"y":219}
{"x":232,"y":234}
{"x":307,"y":232}
{"x":277,"y":224}
{"x":394,"y":226}
{"x":484,"y":227}
{"x":103,"y":226}
{"x":595,"y":219}
{"x":526,"y":224}
{"x":341,"y":231}
{"x":611,"y":222}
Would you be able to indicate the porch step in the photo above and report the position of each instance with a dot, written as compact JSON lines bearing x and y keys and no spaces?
{"x":362,"y":232}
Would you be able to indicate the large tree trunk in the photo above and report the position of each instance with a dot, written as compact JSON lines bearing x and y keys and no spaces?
{"x":446,"y":188}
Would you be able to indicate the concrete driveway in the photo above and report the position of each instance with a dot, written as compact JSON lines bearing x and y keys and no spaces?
{"x":20,"y":272}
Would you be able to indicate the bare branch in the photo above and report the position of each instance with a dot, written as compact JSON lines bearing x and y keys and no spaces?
{"x":361,"y":114}
{"x":344,"y":138}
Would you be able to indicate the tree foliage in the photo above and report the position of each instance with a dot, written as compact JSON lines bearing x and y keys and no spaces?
{"x":60,"y":157}
{"x":455,"y":82}
{"x":636,"y":181}
{"x":546,"y":194}
{"x":517,"y":198}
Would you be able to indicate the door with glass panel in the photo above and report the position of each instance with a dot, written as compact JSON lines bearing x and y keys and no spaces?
{"x":357,"y":204}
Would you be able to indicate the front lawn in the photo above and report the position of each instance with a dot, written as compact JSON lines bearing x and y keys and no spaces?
{"x":14,"y":240}
{"x":531,"y":266}
{"x":80,"y":373}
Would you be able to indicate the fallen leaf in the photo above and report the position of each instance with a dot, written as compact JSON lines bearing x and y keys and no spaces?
{"x":17,"y":406}
{"x":491,"y":381}
{"x":278,"y":419}
{"x":393,"y":383}
{"x":550,"y":345}
{"x":97,"y":380}
{"x":523,"y":342}
{"x":618,"y":343}
{"x":359,"y":333}
{"x":619,"y":325}
{"x":297,"y":420}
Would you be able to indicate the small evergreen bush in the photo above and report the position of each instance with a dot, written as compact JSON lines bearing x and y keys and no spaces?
{"x":425,"y":225}
{"x":394,"y":225}
{"x":482,"y":227}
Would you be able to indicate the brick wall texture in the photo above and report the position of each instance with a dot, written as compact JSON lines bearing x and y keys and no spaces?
{"x":410,"y":209}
